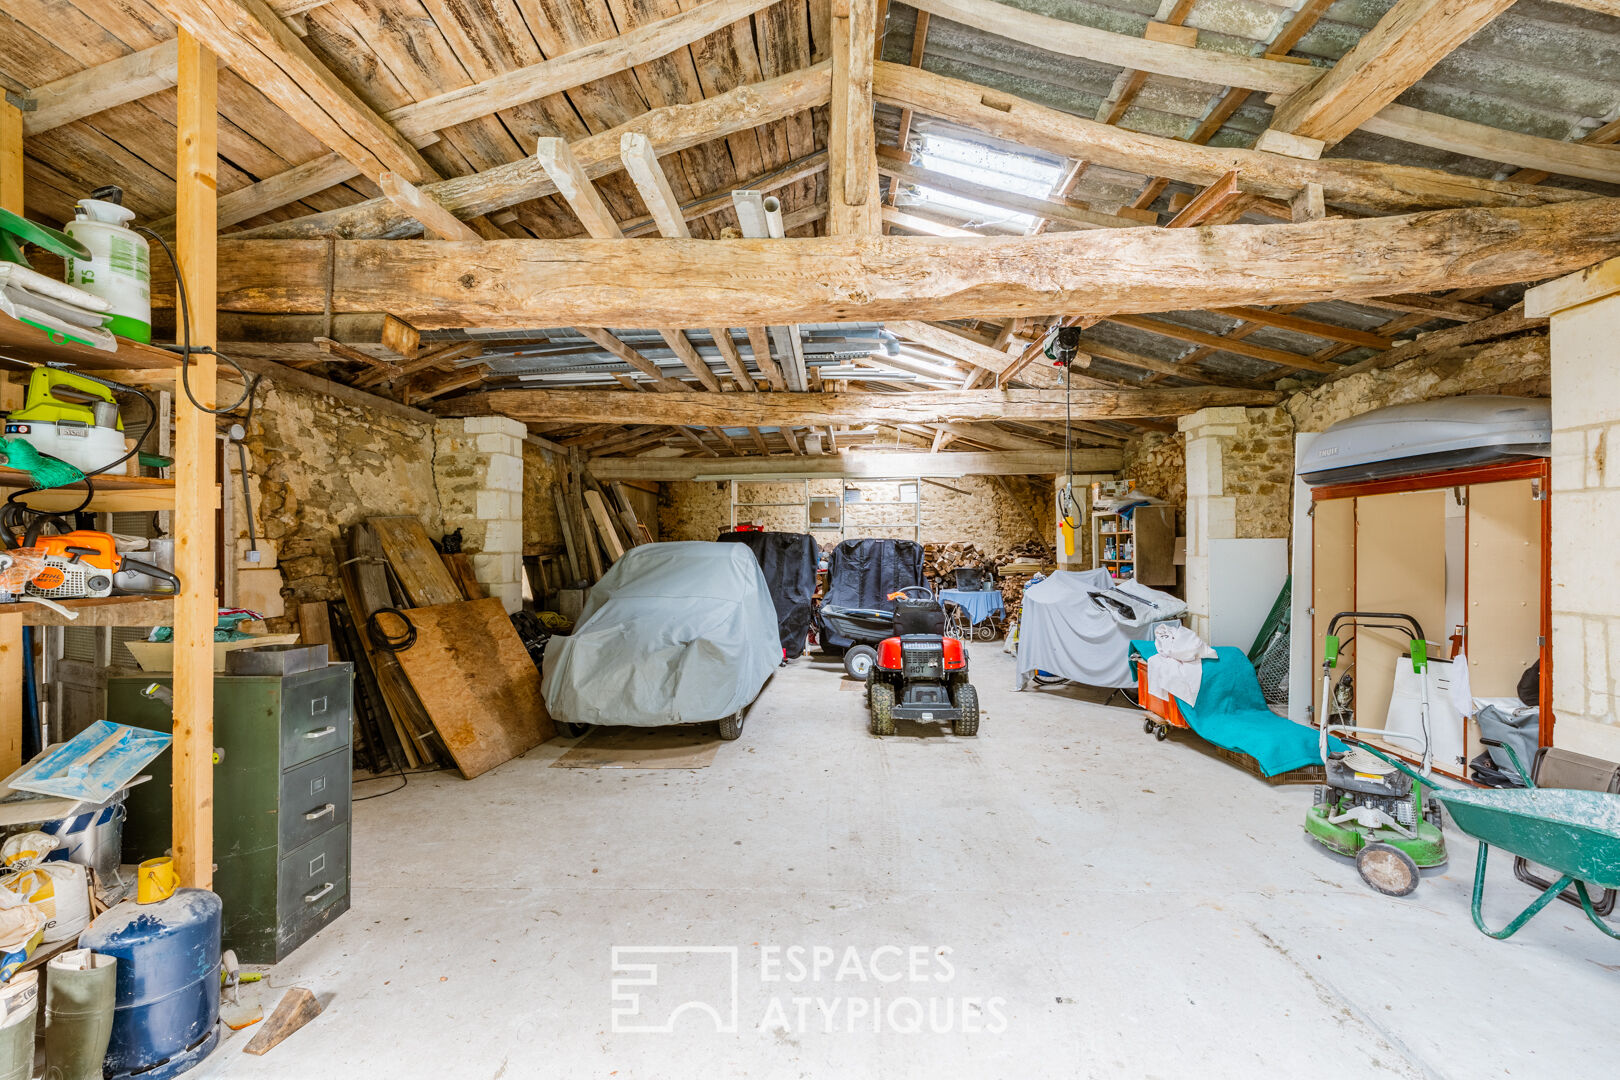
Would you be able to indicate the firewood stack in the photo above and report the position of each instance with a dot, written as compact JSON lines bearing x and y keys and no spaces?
{"x":1016,"y":567}
{"x":1012,"y":567}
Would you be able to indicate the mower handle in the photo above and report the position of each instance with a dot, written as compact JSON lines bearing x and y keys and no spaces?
{"x":898,"y":593}
{"x":1403,"y":622}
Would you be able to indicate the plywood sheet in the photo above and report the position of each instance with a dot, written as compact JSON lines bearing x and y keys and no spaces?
{"x":1400,"y":567}
{"x":683,"y":746}
{"x":416,"y":564}
{"x":1333,"y":576}
{"x":477,"y":683}
{"x":1504,"y":585}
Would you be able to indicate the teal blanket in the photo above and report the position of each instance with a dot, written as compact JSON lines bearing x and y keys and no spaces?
{"x":1232,"y":713}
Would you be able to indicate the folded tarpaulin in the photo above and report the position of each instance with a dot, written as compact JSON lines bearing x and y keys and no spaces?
{"x":1063,"y":631}
{"x":789,"y":563}
{"x":862,"y":574}
{"x":1232,"y":713}
{"x":674,"y":633}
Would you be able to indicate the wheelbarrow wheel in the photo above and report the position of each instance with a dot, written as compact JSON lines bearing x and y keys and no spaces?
{"x":1388,"y":869}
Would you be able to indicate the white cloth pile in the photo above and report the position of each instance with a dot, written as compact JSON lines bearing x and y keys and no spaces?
{"x":1178,"y":665}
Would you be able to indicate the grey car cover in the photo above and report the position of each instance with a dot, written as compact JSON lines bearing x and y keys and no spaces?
{"x":673,"y":634}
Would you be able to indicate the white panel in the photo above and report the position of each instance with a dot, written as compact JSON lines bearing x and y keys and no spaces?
{"x":1301,"y":678}
{"x":1244,"y":579}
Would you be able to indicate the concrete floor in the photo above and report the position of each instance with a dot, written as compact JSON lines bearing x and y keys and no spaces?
{"x":1112,"y":907}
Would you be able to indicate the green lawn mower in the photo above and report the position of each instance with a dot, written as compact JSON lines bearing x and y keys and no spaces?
{"x":1366,"y":808}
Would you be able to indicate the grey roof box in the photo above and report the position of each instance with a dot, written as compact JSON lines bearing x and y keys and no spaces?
{"x":1428,"y":436}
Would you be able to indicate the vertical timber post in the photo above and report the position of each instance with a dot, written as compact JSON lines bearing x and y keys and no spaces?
{"x":196,"y":607}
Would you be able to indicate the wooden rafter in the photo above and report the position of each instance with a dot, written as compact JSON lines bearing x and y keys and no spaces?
{"x":670,"y":128}
{"x":606,"y":340}
{"x":1391,"y":188}
{"x":1411,"y":38}
{"x":255,"y":42}
{"x":856,"y":465}
{"x":1243,"y":74}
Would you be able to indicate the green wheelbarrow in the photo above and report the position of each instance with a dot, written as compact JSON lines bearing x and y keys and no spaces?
{"x":1576,"y":833}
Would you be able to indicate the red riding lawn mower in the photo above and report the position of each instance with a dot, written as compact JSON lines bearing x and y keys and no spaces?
{"x":920,"y":674}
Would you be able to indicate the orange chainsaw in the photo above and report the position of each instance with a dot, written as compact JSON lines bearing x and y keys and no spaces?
{"x":82,"y":564}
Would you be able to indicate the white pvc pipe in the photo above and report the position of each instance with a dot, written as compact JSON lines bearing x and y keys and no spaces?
{"x":773,"y":216}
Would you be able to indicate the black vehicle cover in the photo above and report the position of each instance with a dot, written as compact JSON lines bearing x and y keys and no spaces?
{"x":862,"y":574}
{"x":789,"y":563}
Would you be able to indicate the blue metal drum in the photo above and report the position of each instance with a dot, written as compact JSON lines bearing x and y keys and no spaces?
{"x":167,"y":1014}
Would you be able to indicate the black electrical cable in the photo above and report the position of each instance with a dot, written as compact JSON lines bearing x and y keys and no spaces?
{"x":403,"y":780}
{"x":381,"y":639}
{"x":185,"y":348}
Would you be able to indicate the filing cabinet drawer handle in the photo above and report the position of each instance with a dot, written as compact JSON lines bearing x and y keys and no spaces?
{"x":322,"y":812}
{"x":321,"y":734}
{"x":310,"y":898}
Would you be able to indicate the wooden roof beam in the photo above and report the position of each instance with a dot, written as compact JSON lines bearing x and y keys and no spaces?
{"x":856,"y":465}
{"x":815,"y":409}
{"x":852,"y":202}
{"x":258,"y":46}
{"x":641,"y":162}
{"x":503,"y":284}
{"x":1411,"y":38}
{"x":1376,"y":185}
{"x":1245,"y":74}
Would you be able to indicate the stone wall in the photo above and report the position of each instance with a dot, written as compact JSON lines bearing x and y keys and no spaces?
{"x":979,"y":510}
{"x":1519,"y":366}
{"x":1158,"y":463}
{"x":542,"y":475}
{"x":1258,"y":466}
{"x":318,"y":464}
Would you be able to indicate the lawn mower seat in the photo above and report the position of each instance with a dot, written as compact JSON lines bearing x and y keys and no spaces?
{"x":918,"y":617}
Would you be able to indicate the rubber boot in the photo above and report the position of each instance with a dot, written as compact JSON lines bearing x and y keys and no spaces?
{"x":17,"y":1036}
{"x":78,"y":1014}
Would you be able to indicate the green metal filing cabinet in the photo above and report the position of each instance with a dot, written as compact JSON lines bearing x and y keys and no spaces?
{"x":281,"y":801}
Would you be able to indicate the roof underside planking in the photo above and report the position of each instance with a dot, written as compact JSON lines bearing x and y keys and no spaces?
{"x":1538,"y":68}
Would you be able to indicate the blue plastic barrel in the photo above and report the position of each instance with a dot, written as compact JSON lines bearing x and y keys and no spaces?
{"x":167,"y":1015}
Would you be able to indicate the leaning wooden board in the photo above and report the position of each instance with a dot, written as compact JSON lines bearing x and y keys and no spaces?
{"x":416,"y":564}
{"x":475,"y":678}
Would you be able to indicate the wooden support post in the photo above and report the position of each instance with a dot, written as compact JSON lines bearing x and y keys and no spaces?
{"x":852,"y":166}
{"x":11,"y":627}
{"x":196,"y":609}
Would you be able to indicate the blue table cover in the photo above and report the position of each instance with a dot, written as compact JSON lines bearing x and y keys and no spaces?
{"x":979,"y":604}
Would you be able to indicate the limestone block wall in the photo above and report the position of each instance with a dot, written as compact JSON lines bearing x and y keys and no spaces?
{"x":478,"y":470}
{"x":1586,"y":516}
{"x":1239,"y":486}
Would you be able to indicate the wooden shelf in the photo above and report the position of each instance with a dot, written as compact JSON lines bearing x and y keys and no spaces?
{"x":97,"y":611}
{"x":24,"y":342}
{"x":113,"y":493}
